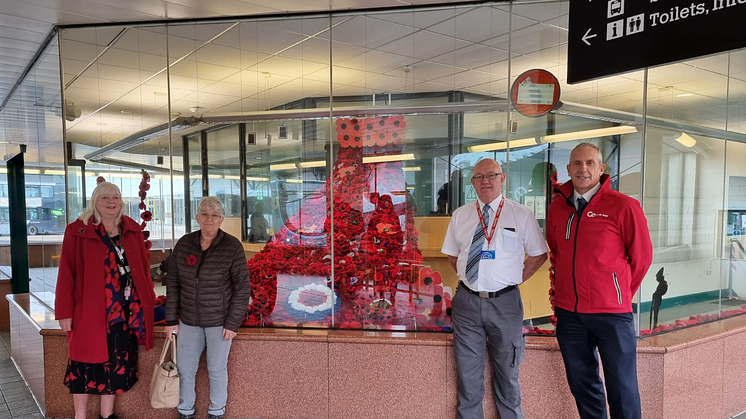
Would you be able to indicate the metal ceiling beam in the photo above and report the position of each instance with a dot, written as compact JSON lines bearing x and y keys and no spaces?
{"x":500,"y":105}
{"x":29,"y":66}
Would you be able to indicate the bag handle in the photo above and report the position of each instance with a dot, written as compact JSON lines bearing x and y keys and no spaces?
{"x":173,"y":350}
{"x":164,"y":351}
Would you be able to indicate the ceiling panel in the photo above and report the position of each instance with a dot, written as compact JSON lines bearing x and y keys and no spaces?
{"x":256,"y":65}
{"x":24,"y":24}
{"x":424,"y":71}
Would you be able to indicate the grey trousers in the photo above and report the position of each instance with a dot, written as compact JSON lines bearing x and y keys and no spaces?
{"x":474,"y":320}
{"x":189,"y":346}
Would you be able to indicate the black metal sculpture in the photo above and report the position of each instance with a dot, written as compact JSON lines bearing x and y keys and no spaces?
{"x":660,"y":291}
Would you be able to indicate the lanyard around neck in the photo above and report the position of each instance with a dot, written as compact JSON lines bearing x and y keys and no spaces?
{"x":494,"y":224}
{"x":124,"y":268}
{"x":117,"y":247}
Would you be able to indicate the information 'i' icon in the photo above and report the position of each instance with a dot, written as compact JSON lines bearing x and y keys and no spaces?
{"x":615,"y":29}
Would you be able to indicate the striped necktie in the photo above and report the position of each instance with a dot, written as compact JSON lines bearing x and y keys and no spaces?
{"x":475,"y":251}
{"x":581,"y":205}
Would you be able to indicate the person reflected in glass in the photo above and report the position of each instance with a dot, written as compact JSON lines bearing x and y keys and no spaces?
{"x":542,"y":177}
{"x":449,"y":195}
{"x":494,"y":245}
{"x":207,"y":294}
{"x":104,"y":301}
{"x":259,"y":225}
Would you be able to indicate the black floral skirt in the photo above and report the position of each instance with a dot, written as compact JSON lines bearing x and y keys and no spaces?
{"x":114,"y":376}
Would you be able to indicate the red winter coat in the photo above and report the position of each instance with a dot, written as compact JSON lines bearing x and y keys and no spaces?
{"x":80,"y":287}
{"x":600,"y":257}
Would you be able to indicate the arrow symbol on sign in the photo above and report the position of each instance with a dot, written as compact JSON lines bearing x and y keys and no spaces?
{"x":588,"y":36}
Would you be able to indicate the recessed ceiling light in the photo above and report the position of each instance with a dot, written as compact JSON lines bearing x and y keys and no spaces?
{"x":592,"y":133}
{"x":686,"y":140}
{"x":685,"y":95}
{"x":282,"y":166}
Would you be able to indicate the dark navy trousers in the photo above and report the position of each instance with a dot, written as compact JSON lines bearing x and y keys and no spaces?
{"x":582,"y":337}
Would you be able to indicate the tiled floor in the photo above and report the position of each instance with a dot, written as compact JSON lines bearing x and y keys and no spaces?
{"x":15,"y":398}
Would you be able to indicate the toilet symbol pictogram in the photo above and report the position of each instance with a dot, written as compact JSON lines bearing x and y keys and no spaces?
{"x":615,"y":8}
{"x":615,"y":29}
{"x":635,"y":24}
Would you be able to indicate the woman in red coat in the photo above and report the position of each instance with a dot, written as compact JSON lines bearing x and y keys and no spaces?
{"x":104,"y":301}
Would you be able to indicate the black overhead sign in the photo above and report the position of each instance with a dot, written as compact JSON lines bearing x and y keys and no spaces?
{"x":614,"y":36}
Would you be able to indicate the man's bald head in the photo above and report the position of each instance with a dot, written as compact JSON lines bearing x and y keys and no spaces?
{"x":487,"y":179}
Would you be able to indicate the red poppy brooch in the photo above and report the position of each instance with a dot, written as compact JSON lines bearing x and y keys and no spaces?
{"x":191,"y":260}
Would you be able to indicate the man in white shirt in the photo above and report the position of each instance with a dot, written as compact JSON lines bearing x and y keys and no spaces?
{"x":486,"y":244}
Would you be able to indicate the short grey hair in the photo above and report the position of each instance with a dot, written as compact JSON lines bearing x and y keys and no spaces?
{"x":589,"y":145}
{"x":210,"y":202}
{"x":102,"y":189}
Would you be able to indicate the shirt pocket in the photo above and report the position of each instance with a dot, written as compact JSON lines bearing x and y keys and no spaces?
{"x":510,"y":241}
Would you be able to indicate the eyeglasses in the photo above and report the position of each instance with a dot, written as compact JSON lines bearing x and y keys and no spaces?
{"x":488,"y":176}
{"x":212,"y":216}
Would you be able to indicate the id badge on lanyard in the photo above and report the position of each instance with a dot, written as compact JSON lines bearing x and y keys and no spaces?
{"x":489,"y":254}
{"x":124,"y":270}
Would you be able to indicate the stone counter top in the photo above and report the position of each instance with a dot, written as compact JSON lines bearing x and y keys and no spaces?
{"x":663,"y":343}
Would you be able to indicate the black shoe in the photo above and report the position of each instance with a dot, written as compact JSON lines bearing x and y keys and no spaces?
{"x":183,"y":416}
{"x":111,"y":416}
{"x":209,"y":416}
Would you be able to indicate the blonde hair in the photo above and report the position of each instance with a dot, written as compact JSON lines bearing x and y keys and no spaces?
{"x":102,"y":189}
{"x":211,"y":202}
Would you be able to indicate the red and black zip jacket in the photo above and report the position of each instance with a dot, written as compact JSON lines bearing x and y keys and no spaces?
{"x":599,"y":257}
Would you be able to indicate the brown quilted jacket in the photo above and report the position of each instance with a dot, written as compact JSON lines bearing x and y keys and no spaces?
{"x":208,"y":288}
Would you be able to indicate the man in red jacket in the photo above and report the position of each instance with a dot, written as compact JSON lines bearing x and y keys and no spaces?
{"x":600,"y":251}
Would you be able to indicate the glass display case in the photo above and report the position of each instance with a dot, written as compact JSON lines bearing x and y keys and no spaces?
{"x":341,"y":143}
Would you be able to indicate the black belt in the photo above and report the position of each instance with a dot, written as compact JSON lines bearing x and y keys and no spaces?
{"x":486,"y":294}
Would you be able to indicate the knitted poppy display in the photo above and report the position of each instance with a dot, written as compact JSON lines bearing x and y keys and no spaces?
{"x":377,"y":264}
{"x":552,"y":319}
{"x":145,"y":215}
{"x":554,"y":185}
{"x":678,"y":324}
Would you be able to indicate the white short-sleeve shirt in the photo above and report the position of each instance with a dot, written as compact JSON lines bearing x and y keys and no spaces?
{"x":516,"y":234}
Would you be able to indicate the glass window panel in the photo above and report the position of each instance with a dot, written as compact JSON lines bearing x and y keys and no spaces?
{"x":223,"y":175}
{"x":733,"y":217}
{"x":537,"y":160}
{"x":285,"y":66}
{"x":116,"y":92}
{"x":32,"y":117}
{"x":684,"y":193}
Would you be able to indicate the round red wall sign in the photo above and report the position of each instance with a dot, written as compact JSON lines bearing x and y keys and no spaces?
{"x":535,"y":92}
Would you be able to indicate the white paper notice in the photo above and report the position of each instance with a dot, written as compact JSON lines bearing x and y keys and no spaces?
{"x":540,"y":207}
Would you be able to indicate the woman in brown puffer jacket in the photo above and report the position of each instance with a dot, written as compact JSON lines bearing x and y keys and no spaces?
{"x":208,"y":293}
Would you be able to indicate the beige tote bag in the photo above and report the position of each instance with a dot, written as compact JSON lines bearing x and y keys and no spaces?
{"x":164,"y":386}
